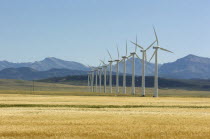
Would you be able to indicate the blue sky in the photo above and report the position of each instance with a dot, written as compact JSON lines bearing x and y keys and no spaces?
{"x":82,"y":30}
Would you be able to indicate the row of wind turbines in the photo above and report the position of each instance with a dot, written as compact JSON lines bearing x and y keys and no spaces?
{"x":97,"y":71}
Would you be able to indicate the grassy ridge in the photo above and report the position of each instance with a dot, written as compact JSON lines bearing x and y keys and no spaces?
{"x":8,"y":86}
{"x":163,"y":82}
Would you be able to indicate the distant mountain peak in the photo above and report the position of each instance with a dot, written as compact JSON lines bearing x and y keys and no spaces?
{"x":190,"y":55}
{"x":194,"y":56}
{"x":190,"y":66}
{"x":50,"y":58}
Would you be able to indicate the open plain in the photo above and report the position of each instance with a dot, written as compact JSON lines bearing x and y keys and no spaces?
{"x":69,"y":113}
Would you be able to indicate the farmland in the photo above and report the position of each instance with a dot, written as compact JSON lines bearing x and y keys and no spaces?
{"x":67,"y":111}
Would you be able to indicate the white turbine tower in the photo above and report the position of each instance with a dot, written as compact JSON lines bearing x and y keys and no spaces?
{"x":105,"y":69}
{"x":110,"y":71}
{"x":143,"y":60}
{"x":156,"y":64}
{"x":91,"y":78}
{"x":100,"y":71}
{"x":117,"y":71}
{"x":92,"y":81}
{"x":124,"y":70}
{"x":96,"y":78}
{"x":133,"y":54}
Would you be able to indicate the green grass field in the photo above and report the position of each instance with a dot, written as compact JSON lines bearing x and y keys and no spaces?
{"x":67,"y":111}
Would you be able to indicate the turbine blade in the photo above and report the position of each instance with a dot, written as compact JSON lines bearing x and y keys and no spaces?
{"x":90,"y":67}
{"x":156,"y":35}
{"x":102,"y":61}
{"x":129,"y":56}
{"x":137,"y":45}
{"x":151,"y":45}
{"x":153,"y":55}
{"x":166,"y":50}
{"x":129,"y":59}
{"x":138,"y":56}
{"x":118,"y":53}
{"x":126,"y":48}
{"x":109,"y":54}
{"x":146,"y":57}
{"x":136,"y":38}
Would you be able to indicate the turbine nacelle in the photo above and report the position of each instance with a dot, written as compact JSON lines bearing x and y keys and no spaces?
{"x":124,"y":57}
{"x":133,"y":53}
{"x":117,"y":60}
{"x":156,"y":47}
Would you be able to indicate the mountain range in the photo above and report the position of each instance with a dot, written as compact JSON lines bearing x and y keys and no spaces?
{"x":26,"y":73}
{"x":46,"y":64}
{"x":188,"y":67}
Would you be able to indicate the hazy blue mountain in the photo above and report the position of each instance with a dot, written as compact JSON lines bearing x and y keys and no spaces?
{"x":138,"y":67}
{"x":188,"y":67}
{"x":26,"y":73}
{"x":51,"y":62}
{"x":46,"y":64}
{"x":6,"y":64}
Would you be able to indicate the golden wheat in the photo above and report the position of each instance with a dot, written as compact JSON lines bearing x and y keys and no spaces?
{"x":167,"y":121}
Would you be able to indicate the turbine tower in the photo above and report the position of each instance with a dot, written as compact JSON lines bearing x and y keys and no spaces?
{"x":105,"y":69}
{"x":143,"y":60}
{"x":124,"y":70}
{"x":100,"y":70}
{"x":89,"y":79}
{"x":92,"y":78}
{"x":117,"y":71}
{"x":133,"y":54}
{"x":96,"y":78}
{"x":156,"y":64}
{"x":110,"y":71}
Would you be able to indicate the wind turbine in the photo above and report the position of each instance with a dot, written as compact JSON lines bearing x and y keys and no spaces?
{"x":143,"y":60}
{"x":110,"y":71}
{"x":124,"y":69}
{"x":105,"y":69}
{"x":96,"y":78}
{"x":156,"y":63}
{"x":117,"y":71}
{"x":91,"y":77}
{"x":133,"y":54}
{"x":100,"y":71}
{"x":92,"y":81}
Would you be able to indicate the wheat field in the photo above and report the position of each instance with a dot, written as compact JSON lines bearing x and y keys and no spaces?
{"x":66,"y":111}
{"x":54,"y":116}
